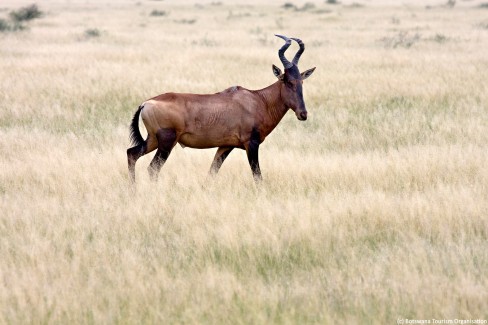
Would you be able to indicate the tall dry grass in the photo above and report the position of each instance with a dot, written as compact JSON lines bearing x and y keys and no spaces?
{"x":373,"y":209}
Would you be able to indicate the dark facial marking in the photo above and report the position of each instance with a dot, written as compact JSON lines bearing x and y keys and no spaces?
{"x":293,"y":73}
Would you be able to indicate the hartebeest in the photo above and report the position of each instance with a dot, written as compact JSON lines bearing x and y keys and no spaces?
{"x":234,"y":118}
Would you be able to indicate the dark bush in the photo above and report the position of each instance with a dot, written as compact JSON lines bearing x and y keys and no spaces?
{"x":289,"y":5}
{"x":439,"y":38}
{"x":92,"y":32}
{"x":26,"y":13}
{"x":158,"y":13}
{"x":4,"y":25}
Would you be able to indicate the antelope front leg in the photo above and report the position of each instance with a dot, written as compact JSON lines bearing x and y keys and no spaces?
{"x":253,"y":155}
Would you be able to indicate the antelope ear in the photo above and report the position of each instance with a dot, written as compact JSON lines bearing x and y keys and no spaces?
{"x":277,"y":72}
{"x":307,"y":73}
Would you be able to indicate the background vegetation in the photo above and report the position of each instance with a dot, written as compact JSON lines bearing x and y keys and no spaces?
{"x":373,"y":209}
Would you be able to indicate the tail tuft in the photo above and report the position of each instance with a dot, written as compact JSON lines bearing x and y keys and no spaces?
{"x":135,"y":135}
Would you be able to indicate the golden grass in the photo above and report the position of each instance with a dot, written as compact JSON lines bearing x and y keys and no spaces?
{"x":373,"y":209}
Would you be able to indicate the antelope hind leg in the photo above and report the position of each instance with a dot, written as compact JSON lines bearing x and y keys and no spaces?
{"x":133,"y":154}
{"x":166,"y":142}
{"x":219,"y":158}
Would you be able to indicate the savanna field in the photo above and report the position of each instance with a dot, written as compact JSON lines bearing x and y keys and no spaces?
{"x":373,"y":210}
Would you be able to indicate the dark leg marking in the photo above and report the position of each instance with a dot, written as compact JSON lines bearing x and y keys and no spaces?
{"x":219,"y":158}
{"x":166,"y":142}
{"x":252,"y":154}
{"x":133,"y":154}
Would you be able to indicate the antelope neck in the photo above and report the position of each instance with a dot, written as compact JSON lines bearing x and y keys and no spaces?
{"x":275,"y":106}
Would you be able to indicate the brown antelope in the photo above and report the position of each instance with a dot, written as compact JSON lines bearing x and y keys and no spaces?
{"x":234,"y":118}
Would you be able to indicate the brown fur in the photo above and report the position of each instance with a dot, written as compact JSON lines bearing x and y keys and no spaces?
{"x":207,"y":121}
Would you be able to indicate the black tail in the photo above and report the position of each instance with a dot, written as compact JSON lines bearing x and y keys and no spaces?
{"x":135,"y":135}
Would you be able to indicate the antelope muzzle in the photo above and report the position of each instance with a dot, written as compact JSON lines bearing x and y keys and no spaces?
{"x":301,"y":115}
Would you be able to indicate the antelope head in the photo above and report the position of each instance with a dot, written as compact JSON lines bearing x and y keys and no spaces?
{"x":292,"y":79}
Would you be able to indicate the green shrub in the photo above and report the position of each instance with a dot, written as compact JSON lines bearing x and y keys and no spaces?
{"x":17,"y":17}
{"x":4,"y":25}
{"x":92,"y":32}
{"x":26,"y":13}
{"x":158,"y":13}
{"x":289,"y":5}
{"x":440,"y":38}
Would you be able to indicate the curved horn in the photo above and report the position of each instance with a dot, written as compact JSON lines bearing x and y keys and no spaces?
{"x":281,"y":53}
{"x":300,"y":51}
